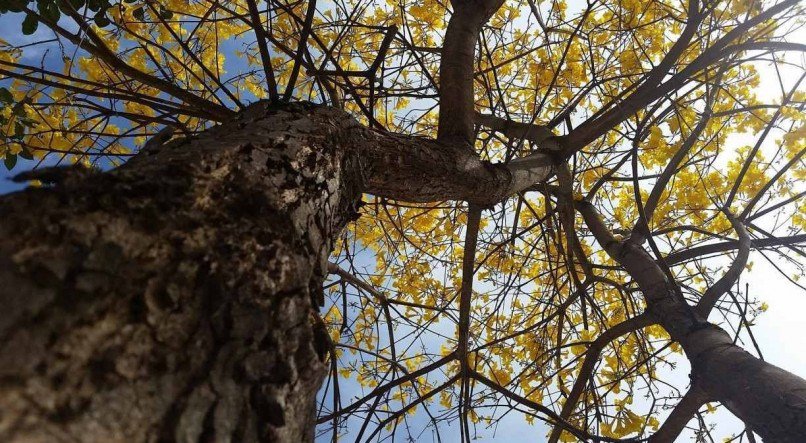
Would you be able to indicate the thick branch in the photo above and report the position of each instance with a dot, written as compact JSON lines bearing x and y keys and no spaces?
{"x":770,"y":400}
{"x":536,"y":134}
{"x":456,"y":92}
{"x":716,"y":248}
{"x":265,"y":56}
{"x":680,"y":416}
{"x":721,"y":286}
{"x":418,"y":169}
{"x":466,"y":290}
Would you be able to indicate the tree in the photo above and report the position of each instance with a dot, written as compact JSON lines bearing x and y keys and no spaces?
{"x":551,"y":195}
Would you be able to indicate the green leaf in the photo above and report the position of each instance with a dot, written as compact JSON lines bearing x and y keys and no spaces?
{"x":49,"y":11}
{"x":166,"y":14}
{"x":26,"y":154}
{"x":6,"y":96}
{"x":18,"y":110}
{"x":67,"y":6}
{"x":29,"y":25}
{"x":139,"y":14}
{"x":10,"y":160}
{"x":19,"y":130}
{"x":13,"y":5}
{"x":98,"y":5}
{"x":101,"y":19}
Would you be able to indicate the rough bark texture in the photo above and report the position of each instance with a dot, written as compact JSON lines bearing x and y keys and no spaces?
{"x":172,"y":298}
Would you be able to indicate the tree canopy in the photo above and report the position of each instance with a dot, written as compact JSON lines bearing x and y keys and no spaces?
{"x":618,"y":123}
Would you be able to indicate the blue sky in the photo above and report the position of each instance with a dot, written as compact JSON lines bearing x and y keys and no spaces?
{"x":780,"y":331}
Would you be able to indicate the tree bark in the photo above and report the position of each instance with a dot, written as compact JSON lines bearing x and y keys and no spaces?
{"x":172,"y":299}
{"x":456,"y":73}
{"x":769,"y":399}
{"x":683,"y":412}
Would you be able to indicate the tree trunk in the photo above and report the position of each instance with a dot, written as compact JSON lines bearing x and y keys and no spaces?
{"x":173,"y":298}
{"x":769,"y":399}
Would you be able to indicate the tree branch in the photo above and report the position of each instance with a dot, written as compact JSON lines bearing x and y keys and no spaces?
{"x":591,"y":358}
{"x":645,"y":94}
{"x":718,"y":289}
{"x":536,"y":134}
{"x":456,"y":91}
{"x":681,"y":414}
{"x":715,"y":248}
